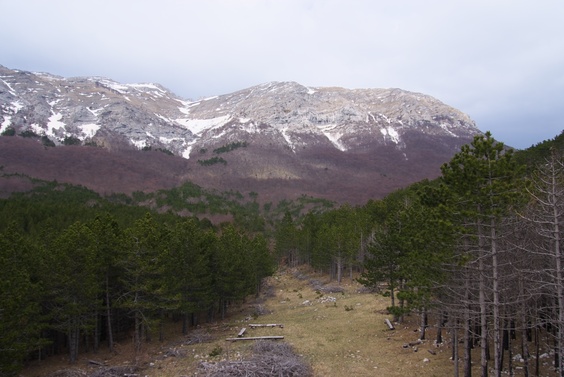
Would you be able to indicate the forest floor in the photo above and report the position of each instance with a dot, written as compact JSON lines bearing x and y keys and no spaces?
{"x":338,"y":330}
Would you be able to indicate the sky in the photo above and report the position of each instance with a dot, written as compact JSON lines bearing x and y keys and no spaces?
{"x":499,"y":61}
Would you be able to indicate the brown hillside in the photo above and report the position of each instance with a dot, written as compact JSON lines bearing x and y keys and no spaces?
{"x":274,"y":173}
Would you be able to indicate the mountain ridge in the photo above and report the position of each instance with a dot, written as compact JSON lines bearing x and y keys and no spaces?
{"x":326,"y":141}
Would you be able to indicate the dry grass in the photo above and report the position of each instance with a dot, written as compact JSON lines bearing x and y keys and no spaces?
{"x":338,"y":334}
{"x":343,"y":333}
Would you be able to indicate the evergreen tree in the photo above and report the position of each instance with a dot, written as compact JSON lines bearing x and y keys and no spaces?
{"x":263,"y":263}
{"x":483,"y":182}
{"x":21,"y":320}
{"x":73,"y":285}
{"x":232,"y":268}
{"x":188,"y":273}
{"x":286,"y":238}
{"x":143,"y":282}
{"x":386,"y":259}
{"x":308,"y":239}
{"x":429,"y":241}
{"x":108,"y":244}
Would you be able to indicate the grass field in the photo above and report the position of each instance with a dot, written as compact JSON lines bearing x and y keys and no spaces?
{"x":338,"y":334}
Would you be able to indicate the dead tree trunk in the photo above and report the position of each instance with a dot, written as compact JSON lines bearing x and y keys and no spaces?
{"x":454,"y":332}
{"x":483,"y":312}
{"x":424,"y":323}
{"x":524,"y":338}
{"x":498,"y":352}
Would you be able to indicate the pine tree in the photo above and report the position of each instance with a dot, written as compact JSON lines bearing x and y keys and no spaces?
{"x":233,"y":277}
{"x":21,"y":320}
{"x":429,"y":241}
{"x":483,"y":181}
{"x":286,"y":238}
{"x":263,"y":262}
{"x":142,"y":280}
{"x":108,"y":243}
{"x":73,"y":285}
{"x":187,"y":265}
{"x":388,"y":250}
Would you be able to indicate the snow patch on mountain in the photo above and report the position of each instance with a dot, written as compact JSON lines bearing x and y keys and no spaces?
{"x":186,"y":106}
{"x":10,"y":89}
{"x":248,"y":127}
{"x":88,"y":130}
{"x":11,"y":109}
{"x":187,"y":151}
{"x":167,"y":140}
{"x":55,"y":123}
{"x":286,"y":136}
{"x":7,"y":120}
{"x":37,"y":128}
{"x":96,"y":112}
{"x":385,"y":118}
{"x":163,"y":118}
{"x":140,"y":144}
{"x":392,"y":133}
{"x":446,"y":127}
{"x":152,"y":87}
{"x":198,"y":126}
{"x":121,"y":88}
{"x":17,"y":106}
{"x":334,"y":137}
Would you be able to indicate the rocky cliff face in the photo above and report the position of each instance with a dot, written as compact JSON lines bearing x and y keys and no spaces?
{"x":348,"y":120}
{"x":277,"y":137}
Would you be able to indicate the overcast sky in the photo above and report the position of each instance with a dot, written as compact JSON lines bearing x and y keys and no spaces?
{"x":499,"y":61}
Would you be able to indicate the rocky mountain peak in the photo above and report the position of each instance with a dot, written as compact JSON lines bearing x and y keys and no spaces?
{"x":289,"y":131}
{"x":101,"y":110}
{"x":335,"y":115}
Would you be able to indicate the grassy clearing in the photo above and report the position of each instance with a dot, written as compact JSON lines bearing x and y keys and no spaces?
{"x":344,"y":333}
{"x":338,"y":334}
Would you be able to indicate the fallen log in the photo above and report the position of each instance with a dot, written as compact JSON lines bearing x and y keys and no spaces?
{"x":390,"y":325}
{"x":267,"y":325}
{"x":241,"y":332}
{"x":256,"y":338}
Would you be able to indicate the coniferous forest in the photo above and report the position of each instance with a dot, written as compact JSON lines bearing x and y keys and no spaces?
{"x":78,"y":270}
{"x":477,"y":251}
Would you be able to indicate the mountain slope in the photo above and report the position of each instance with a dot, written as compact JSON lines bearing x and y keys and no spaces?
{"x":277,"y":139}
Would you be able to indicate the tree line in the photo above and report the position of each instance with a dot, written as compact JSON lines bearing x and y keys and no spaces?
{"x":95,"y":280}
{"x":479,"y":249}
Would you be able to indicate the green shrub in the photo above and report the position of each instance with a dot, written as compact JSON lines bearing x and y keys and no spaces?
{"x":71,"y":140}
{"x":10,"y":131}
{"x":230,"y":147}
{"x":216,"y":351}
{"x":212,"y":161}
{"x":28,"y":133}
{"x":47,"y":142}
